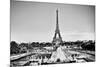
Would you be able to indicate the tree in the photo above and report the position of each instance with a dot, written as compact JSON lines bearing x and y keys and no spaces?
{"x":89,"y":45}
{"x":23,"y":47}
{"x":14,"y":49}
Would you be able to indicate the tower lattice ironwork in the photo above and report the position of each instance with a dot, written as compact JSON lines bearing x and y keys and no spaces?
{"x":57,"y":36}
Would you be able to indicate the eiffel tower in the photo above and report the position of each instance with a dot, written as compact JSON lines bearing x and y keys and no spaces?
{"x":57,"y":39}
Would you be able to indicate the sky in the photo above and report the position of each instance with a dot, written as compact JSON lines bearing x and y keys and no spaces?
{"x":36,"y":21}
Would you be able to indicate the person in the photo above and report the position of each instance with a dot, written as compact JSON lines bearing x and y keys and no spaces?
{"x":45,"y":59}
{"x":40,"y":60}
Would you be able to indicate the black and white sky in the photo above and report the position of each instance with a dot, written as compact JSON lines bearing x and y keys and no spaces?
{"x":36,"y":21}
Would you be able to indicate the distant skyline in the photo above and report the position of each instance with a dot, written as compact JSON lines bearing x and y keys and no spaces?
{"x":36,"y":21}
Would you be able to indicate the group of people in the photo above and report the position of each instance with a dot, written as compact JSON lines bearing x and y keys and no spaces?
{"x":38,"y":60}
